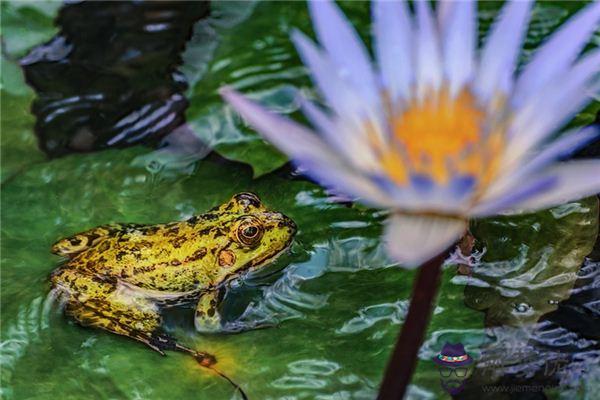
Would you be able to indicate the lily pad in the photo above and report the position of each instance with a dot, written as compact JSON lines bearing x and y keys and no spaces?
{"x":26,"y":24}
{"x":247,"y":46}
{"x":256,"y":57}
{"x":18,"y":144}
{"x":76,"y":192}
{"x":527,"y":272}
{"x":336,"y":300}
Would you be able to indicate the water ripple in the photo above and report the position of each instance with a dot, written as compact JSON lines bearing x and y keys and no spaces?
{"x":370,"y":315}
{"x":286,"y":300}
{"x":314,"y":367}
{"x":31,"y":320}
{"x":315,"y":376}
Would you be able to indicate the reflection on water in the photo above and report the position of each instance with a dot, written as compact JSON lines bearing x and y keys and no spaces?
{"x":539,"y":296}
{"x":542,"y":265}
{"x":308,"y":379}
{"x":113,"y":82}
{"x":370,"y":315}
{"x":284,"y":299}
{"x":307,"y":374}
{"x":31,"y":320}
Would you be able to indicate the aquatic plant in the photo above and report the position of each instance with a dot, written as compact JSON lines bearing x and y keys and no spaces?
{"x":439,"y":132}
{"x":433,"y":130}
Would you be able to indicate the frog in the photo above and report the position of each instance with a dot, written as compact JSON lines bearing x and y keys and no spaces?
{"x":119,"y":277}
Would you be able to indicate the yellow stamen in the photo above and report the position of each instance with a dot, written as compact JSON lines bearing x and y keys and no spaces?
{"x":441,"y":137}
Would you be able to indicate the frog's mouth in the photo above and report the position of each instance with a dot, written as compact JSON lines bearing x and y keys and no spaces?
{"x":258,"y":263}
{"x":261,"y":262}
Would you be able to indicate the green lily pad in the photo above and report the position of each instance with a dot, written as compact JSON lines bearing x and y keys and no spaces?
{"x":18,"y":144}
{"x":545,"y":255}
{"x":247,"y":46}
{"x":336,"y":299}
{"x":26,"y":24}
{"x":256,"y":57}
{"x":336,"y":244}
{"x":54,"y":199}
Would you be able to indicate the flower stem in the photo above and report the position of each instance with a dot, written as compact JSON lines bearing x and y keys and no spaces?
{"x":404,"y":357}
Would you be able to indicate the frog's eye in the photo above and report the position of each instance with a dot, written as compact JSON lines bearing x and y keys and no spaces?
{"x":249,"y":231}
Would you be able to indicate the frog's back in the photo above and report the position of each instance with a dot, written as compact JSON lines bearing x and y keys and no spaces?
{"x":172,"y":257}
{"x":80,"y":242}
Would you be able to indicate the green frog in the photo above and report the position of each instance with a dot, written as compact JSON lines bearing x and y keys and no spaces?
{"x":118,"y":277}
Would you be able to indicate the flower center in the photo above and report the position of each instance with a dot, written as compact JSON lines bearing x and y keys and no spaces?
{"x":442,"y":137}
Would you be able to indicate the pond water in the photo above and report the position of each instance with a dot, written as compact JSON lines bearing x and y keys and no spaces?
{"x":525,"y":304}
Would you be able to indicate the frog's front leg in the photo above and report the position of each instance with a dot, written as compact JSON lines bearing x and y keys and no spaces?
{"x":207,"y":318}
{"x":100,"y":302}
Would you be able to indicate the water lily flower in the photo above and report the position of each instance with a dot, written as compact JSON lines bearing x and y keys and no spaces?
{"x":435,"y":129}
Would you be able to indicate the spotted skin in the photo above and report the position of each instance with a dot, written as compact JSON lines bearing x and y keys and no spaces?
{"x":207,"y":318}
{"x":117,"y":277}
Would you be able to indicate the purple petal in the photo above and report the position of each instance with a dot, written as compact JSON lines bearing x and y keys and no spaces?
{"x":575,"y":179}
{"x":460,"y":38}
{"x":462,"y":186}
{"x":413,"y":239}
{"x":289,"y":136}
{"x":444,"y":11}
{"x":392,"y":28}
{"x":352,"y":146}
{"x":317,"y":117}
{"x":568,"y":143}
{"x":502,"y":48}
{"x":345,"y":182}
{"x":510,"y":199}
{"x":428,"y":62}
{"x":422,"y":184}
{"x":338,"y":94}
{"x":564,"y":146}
{"x":421,"y":193}
{"x":344,"y":47}
{"x":553,"y":59}
{"x":307,"y":149}
{"x":557,"y":103}
{"x":390,"y":187}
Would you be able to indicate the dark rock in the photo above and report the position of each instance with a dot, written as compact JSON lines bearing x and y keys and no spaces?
{"x":110,"y":78}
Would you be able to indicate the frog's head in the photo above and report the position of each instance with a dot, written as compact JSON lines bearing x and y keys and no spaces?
{"x":255,"y":235}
